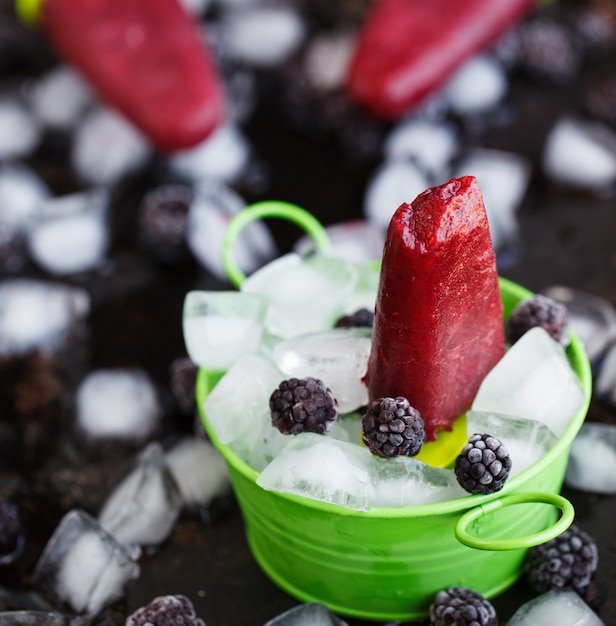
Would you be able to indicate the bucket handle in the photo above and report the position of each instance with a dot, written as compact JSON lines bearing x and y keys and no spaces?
{"x":526,"y":541}
{"x":269,"y":208}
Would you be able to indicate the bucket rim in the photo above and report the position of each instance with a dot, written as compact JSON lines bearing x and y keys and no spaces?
{"x":580,"y":364}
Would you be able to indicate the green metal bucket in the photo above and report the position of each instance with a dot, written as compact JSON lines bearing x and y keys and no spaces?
{"x":388,"y":563}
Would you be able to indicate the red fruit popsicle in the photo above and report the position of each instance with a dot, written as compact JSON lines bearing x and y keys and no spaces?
{"x":438,"y":327}
{"x":408,"y":48}
{"x":145,"y":58}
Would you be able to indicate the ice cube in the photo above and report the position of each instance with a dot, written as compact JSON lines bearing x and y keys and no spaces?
{"x":526,"y":440}
{"x":20,"y":132}
{"x":324,"y":469}
{"x":71,"y":233}
{"x":221,"y":326}
{"x":592,"y":459}
{"x":240,"y":400}
{"x":117,"y":403}
{"x":327,"y":58}
{"x":40,"y":618}
{"x":39,"y":315}
{"x":432,"y":144}
{"x":394,"y":182}
{"x":478,"y":86}
{"x":405,"y":481}
{"x":580,"y":154}
{"x":106,"y":147}
{"x":591,"y":318}
{"x":21,"y":194}
{"x":214,"y":204}
{"x":338,"y":357}
{"x":503,"y":178}
{"x":262,"y":35}
{"x":199,"y":471}
{"x":348,"y":427}
{"x":223,"y":156}
{"x":59,"y":99}
{"x":564,"y":608}
{"x":605,"y":383}
{"x":533,"y":380}
{"x":304,"y":295}
{"x":143,"y":508}
{"x":308,"y":614}
{"x":357,"y":241}
{"x":84,"y":567}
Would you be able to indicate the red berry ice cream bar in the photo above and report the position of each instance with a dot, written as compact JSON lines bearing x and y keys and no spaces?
{"x":438,"y":326}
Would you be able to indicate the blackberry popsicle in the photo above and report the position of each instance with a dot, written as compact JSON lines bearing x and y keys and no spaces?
{"x":438,"y":326}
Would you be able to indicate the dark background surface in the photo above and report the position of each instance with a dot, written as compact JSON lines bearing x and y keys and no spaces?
{"x":566,"y":237}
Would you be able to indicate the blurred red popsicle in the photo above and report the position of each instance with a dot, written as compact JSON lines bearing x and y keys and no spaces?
{"x":408,"y":48}
{"x":145,"y":58}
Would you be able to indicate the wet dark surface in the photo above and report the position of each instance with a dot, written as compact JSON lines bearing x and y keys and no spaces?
{"x":566,"y":237}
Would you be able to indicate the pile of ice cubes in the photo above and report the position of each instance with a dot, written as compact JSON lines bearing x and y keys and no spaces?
{"x":527,"y":400}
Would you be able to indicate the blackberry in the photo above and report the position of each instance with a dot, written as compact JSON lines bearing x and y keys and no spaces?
{"x":565,"y":562}
{"x":166,"y":611}
{"x":483,"y":465}
{"x":302,"y":405}
{"x":163,"y":219}
{"x":361,"y":318}
{"x":11,"y":535}
{"x":458,"y":606}
{"x":549,"y":50}
{"x":182,"y":378}
{"x":542,"y":311}
{"x":392,"y":427}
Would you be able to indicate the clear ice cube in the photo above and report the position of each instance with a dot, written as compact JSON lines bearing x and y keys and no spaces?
{"x":564,"y":608}
{"x":240,"y":399}
{"x":71,"y":233}
{"x":223,"y":156}
{"x":304,"y":295}
{"x":214,"y":204}
{"x":405,"y":481}
{"x":21,"y":194}
{"x":394,"y":182}
{"x":591,"y":318}
{"x":308,"y":614}
{"x":592,"y":459}
{"x":84,"y":567}
{"x":327,"y":58}
{"x":430,"y":143}
{"x":199,"y":471}
{"x":106,"y":147}
{"x":526,"y":440}
{"x":338,"y":357}
{"x":263,"y":36}
{"x":118,"y":404}
{"x":580,"y":154}
{"x":322,"y":468}
{"x":533,"y":380}
{"x":221,"y":326}
{"x":143,"y":508}
{"x":20,"y":131}
{"x":38,"y":314}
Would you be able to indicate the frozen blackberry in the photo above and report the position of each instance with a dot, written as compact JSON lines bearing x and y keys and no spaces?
{"x":182,"y":379}
{"x":542,"y":311}
{"x":302,"y":405}
{"x":458,"y":606}
{"x":483,"y":465}
{"x":361,"y":318}
{"x":565,"y":562}
{"x":392,"y":427}
{"x":163,"y":219}
{"x":10,"y":531}
{"x":549,"y":50}
{"x":166,"y":611}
